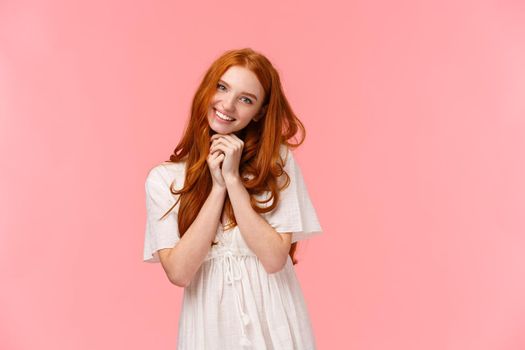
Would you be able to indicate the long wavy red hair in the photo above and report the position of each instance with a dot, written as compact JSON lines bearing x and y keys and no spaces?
{"x":262,"y":139}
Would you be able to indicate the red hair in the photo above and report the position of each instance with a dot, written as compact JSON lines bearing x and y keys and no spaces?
{"x":262,"y":140}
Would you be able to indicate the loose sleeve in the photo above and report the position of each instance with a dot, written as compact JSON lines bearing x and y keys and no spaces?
{"x":160,"y":233}
{"x":295,"y":212}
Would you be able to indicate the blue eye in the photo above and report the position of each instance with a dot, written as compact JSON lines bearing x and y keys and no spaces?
{"x":219,"y":85}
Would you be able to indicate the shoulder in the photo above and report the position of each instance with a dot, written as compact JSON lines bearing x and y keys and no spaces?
{"x":167,"y":172}
{"x":287,"y":157}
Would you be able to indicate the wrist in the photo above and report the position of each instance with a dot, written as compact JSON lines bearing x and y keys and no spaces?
{"x":232,"y":180}
{"x":219,"y":189}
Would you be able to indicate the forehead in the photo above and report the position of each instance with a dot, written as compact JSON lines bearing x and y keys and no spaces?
{"x":243,"y":79}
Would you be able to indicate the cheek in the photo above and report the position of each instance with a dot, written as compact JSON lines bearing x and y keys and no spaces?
{"x":213,"y":101}
{"x":248,"y":114}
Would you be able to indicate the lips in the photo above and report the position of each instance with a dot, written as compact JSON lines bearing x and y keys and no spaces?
{"x":216,"y":110}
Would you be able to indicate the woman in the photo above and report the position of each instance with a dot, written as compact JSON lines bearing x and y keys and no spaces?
{"x":224,"y":214}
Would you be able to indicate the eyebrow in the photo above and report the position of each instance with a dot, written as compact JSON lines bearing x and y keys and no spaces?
{"x":244,"y":93}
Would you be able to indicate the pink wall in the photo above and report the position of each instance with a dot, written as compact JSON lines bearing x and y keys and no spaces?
{"x":414,"y":158}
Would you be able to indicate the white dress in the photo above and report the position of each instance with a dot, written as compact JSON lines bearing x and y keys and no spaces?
{"x":232,"y":302}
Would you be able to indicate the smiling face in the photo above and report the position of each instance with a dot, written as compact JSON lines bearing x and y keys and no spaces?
{"x":239,"y":96}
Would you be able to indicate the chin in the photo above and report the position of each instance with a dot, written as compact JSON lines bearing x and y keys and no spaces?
{"x":226,"y":131}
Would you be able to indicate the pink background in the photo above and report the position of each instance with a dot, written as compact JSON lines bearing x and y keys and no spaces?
{"x":414,"y":158}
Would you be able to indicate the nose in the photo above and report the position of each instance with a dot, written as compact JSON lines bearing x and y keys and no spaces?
{"x":228,"y":103}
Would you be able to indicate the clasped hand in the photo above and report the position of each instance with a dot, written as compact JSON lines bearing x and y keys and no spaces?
{"x":225,"y":150}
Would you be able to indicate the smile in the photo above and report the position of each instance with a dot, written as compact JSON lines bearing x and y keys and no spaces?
{"x":223,"y":116}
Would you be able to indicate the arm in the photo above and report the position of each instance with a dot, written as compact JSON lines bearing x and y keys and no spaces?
{"x":271,"y":247}
{"x":182,"y":261}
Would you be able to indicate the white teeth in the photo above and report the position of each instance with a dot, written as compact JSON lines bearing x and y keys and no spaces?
{"x":222,"y":116}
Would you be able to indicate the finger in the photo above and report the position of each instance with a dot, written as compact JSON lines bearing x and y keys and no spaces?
{"x":218,"y":141}
{"x":216,"y":136}
{"x":221,"y":147}
{"x":215,"y":151}
{"x":219,"y":144}
{"x":216,"y":155}
{"x":218,"y":160}
{"x":229,"y":140}
{"x":221,"y":140}
{"x":237,"y":138}
{"x":234,"y":141}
